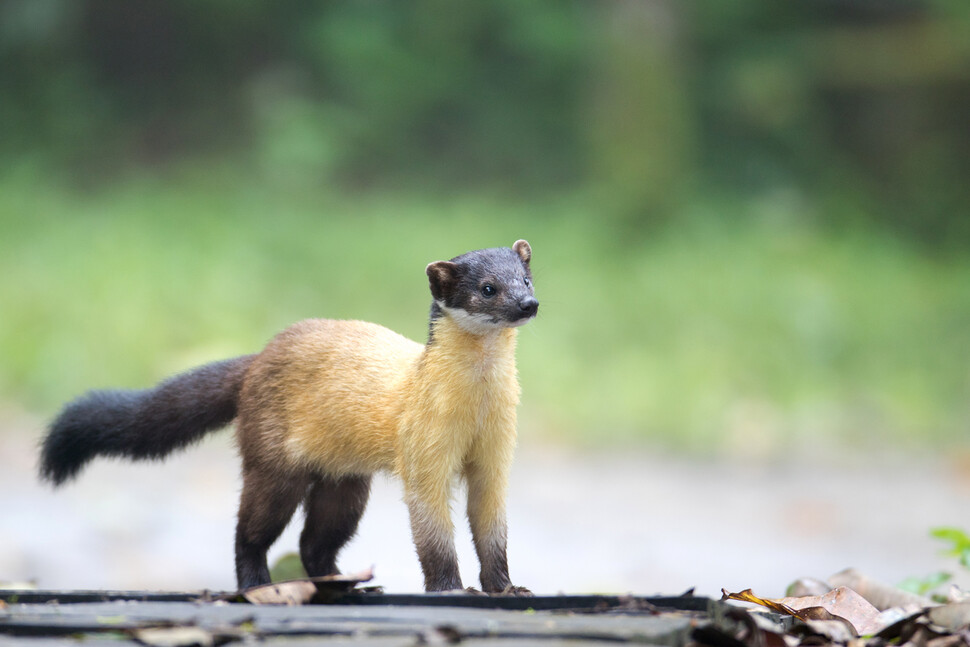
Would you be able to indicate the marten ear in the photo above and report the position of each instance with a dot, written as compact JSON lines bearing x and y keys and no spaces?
{"x":443,"y":276}
{"x":523,"y":249}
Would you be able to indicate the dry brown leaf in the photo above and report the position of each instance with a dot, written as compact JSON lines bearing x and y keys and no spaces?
{"x":836,"y":631}
{"x":808,"y":586}
{"x":820,"y":614}
{"x":739,"y":627}
{"x":921,"y":636}
{"x":953,"y":640}
{"x":348,"y":581}
{"x":951,"y":617}
{"x":174,"y":636}
{"x":290,"y":593}
{"x":956,"y":594}
{"x":838,"y":604}
{"x":844,"y":603}
{"x":747,"y":596}
{"x":880,"y":595}
{"x":295,"y":592}
{"x":331,"y":587}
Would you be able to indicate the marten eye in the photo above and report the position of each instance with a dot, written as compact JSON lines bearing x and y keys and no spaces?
{"x":528,"y":282}
{"x":488,"y":290}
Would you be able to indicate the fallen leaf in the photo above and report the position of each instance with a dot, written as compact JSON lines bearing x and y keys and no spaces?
{"x":899,"y":632}
{"x":740,"y":628}
{"x":923,"y":632}
{"x":747,"y":596}
{"x":442,"y":635}
{"x":957,"y":594}
{"x":291,"y":593}
{"x":838,"y":604}
{"x":341,"y":583}
{"x":807,"y":586}
{"x":843,"y":603}
{"x":296,"y":592}
{"x":836,"y":631}
{"x":951,"y":617}
{"x":880,"y":595}
{"x":894,"y":615}
{"x":174,"y":636}
{"x":953,"y":640}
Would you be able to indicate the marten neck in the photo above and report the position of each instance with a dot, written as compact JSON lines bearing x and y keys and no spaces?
{"x":447,"y":337}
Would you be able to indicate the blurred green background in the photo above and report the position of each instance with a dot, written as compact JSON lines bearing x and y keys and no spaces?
{"x":750,"y":219}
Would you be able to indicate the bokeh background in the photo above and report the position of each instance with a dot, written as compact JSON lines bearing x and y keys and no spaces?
{"x":750,"y":219}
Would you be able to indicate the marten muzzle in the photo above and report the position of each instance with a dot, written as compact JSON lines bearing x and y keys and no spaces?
{"x":522,"y":310}
{"x":528,"y":307}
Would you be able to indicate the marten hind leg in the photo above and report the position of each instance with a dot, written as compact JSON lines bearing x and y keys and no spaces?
{"x":268,"y":501}
{"x":333,"y":510}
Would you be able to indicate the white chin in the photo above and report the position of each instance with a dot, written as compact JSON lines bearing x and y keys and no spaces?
{"x":476,"y":324}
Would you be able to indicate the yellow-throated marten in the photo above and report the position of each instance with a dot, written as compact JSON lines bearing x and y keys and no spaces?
{"x":328,"y":403}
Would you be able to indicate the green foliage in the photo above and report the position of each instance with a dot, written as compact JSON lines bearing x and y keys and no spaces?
{"x":925,"y":585}
{"x":959,"y":542}
{"x":745,"y":328}
{"x":352,"y":91}
{"x":731,"y":203}
{"x":857,"y":108}
{"x":287,"y":567}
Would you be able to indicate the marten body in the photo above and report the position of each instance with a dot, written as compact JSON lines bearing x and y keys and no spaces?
{"x":328,"y":403}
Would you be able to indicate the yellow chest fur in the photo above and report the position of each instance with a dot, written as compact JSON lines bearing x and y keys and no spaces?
{"x":367,"y":399}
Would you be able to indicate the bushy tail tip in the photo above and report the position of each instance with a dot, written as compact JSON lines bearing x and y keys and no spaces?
{"x":79,"y":433}
{"x":142,"y":425}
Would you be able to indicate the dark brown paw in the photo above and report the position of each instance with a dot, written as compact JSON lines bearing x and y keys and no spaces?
{"x":516,"y":592}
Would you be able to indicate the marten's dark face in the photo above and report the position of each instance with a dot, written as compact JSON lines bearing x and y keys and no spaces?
{"x":486,"y":289}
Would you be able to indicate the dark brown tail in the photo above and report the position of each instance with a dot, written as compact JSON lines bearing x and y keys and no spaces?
{"x":143,"y":424}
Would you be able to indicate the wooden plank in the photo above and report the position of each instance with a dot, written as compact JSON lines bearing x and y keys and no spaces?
{"x":231,"y":621}
{"x":589,"y":603}
{"x":536,"y":603}
{"x":31,"y":596}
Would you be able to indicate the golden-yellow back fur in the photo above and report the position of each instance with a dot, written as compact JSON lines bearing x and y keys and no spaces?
{"x":357,"y":398}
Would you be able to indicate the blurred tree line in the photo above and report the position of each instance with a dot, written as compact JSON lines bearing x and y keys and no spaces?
{"x":859,"y":108}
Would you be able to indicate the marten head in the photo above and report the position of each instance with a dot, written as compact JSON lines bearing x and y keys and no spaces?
{"x":486,"y":289}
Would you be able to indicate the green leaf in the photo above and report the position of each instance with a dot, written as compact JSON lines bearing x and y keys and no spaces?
{"x":965,"y":558}
{"x":923,"y":585}
{"x":287,"y":567}
{"x":959,"y":541}
{"x":955,"y":536}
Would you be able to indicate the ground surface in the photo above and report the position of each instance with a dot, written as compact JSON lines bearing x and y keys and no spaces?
{"x":579,"y":522}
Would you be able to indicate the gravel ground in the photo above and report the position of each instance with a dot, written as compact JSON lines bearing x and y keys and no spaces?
{"x":579,"y":522}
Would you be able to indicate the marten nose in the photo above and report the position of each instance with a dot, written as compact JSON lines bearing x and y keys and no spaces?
{"x":529,"y":306}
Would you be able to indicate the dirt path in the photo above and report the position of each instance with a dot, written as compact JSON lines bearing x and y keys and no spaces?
{"x":579,"y":522}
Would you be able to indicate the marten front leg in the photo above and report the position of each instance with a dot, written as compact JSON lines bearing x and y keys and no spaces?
{"x":487,"y":486}
{"x":428,"y":497}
